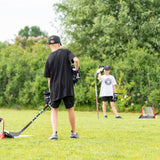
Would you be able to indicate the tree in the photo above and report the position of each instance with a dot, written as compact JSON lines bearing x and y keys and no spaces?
{"x":24,"y":32}
{"x":33,"y":31}
{"x":103,"y":28}
{"x":2,"y":45}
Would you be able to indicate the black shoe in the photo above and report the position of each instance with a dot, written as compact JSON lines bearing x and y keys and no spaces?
{"x":105,"y":116}
{"x":118,"y":117}
{"x":54,"y":136}
{"x":74,"y":135}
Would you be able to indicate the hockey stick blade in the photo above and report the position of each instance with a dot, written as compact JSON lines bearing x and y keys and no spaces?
{"x":15,"y":134}
{"x":8,"y":134}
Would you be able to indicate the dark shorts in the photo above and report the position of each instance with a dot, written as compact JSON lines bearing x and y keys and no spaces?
{"x":109,"y":99}
{"x":68,"y":102}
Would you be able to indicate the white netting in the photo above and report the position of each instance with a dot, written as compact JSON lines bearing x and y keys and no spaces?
{"x":148,"y":111}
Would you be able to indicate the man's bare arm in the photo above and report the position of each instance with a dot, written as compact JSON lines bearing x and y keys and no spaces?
{"x":114,"y":88}
{"x":49,"y":79}
{"x":76,"y":63}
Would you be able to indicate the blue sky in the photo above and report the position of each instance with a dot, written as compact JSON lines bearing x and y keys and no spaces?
{"x":16,"y":14}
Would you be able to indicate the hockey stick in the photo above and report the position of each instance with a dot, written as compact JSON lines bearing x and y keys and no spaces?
{"x":15,"y":134}
{"x":101,"y":68}
{"x":95,"y":77}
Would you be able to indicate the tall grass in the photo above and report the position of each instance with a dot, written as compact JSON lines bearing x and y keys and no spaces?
{"x":104,"y":139}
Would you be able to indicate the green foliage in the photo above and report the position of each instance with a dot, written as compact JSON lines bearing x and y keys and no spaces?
{"x":142,"y":69}
{"x":33,"y":31}
{"x":2,"y":45}
{"x":85,"y":89}
{"x":22,"y":81}
{"x":154,"y":98}
{"x":24,"y":32}
{"x":21,"y":75}
{"x":80,"y":94}
{"x":123,"y":93}
{"x":104,"y":28}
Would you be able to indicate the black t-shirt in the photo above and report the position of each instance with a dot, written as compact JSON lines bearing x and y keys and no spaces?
{"x":58,"y":68}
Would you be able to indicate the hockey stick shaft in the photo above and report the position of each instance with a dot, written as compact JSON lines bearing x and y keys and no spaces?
{"x":34,"y":118}
{"x":97,"y":108}
{"x":18,"y":133}
{"x":96,"y":95}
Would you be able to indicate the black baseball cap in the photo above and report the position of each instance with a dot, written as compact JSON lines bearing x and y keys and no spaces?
{"x":107,"y":67}
{"x":54,"y":39}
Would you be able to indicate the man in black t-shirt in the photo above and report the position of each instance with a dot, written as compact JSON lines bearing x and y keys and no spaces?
{"x":60,"y":82}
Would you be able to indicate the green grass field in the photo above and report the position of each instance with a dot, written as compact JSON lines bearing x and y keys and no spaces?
{"x":103,"y":139}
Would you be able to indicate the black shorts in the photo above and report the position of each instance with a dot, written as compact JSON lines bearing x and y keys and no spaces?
{"x":68,"y":102}
{"x":109,"y":99}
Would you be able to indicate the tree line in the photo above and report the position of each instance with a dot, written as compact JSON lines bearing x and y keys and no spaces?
{"x":22,"y":83}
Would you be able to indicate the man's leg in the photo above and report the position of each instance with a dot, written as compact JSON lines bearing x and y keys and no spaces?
{"x":69,"y":103}
{"x":71,"y":117}
{"x":54,"y":119}
{"x":104,"y":107}
{"x":114,"y":108}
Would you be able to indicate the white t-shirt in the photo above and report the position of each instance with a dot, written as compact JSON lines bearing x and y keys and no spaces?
{"x":107,"y":85}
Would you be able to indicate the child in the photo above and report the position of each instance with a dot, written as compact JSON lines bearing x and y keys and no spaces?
{"x":108,"y":89}
{"x":60,"y":83}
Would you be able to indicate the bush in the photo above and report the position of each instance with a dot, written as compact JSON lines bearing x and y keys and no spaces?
{"x":154,"y":99}
{"x":141,"y":71}
{"x":21,"y":77}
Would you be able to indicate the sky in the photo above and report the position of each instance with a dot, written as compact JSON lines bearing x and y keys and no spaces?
{"x":16,"y":14}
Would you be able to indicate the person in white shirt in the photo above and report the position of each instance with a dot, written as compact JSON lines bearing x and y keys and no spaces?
{"x":108,"y":89}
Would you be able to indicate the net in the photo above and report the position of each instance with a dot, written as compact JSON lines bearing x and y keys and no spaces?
{"x":148,"y":112}
{"x":1,"y":128}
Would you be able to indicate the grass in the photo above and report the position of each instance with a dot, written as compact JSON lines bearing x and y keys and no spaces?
{"x":103,"y":139}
